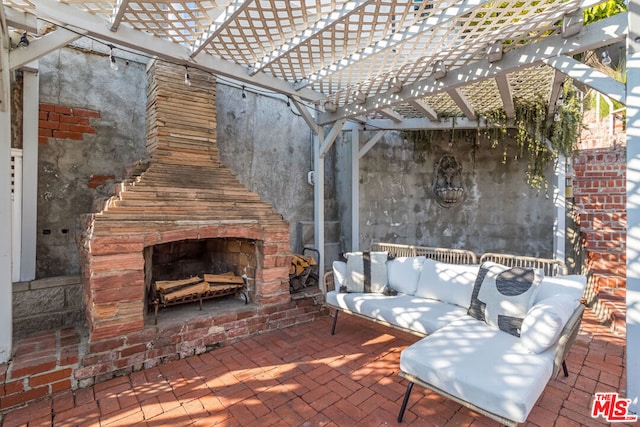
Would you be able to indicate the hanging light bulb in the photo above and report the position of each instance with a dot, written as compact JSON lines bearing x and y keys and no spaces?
{"x":112,"y":59}
{"x":24,"y":41}
{"x":244,"y":95}
{"x":606,"y":59}
{"x":187,"y":79}
{"x":560,"y":101}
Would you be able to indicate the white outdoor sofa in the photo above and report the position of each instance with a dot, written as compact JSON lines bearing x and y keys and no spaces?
{"x":471,"y":361}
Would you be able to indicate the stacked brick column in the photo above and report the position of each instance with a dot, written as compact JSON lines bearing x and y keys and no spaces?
{"x":600,"y":197}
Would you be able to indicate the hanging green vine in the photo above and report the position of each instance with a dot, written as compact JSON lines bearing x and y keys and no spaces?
{"x":538,"y":139}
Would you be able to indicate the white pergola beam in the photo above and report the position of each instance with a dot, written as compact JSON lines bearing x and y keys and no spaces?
{"x":633,"y":209}
{"x":556,"y":88}
{"x":18,"y":19}
{"x":392,"y":115}
{"x":232,"y":11}
{"x":589,"y":76}
{"x":598,"y":34}
{"x":371,"y":143}
{"x":331,"y":137}
{"x":424,"y":108}
{"x":118,"y":13}
{"x":4,"y":61}
{"x":504,"y":87}
{"x":424,"y":123}
{"x":339,"y":14}
{"x":559,"y":202}
{"x":6,"y":285}
{"x":393,"y":40}
{"x":304,"y":112}
{"x":40,"y":47}
{"x":355,"y":189}
{"x":462,"y":102}
{"x":30,"y":120}
{"x":318,"y":200}
{"x":163,"y":49}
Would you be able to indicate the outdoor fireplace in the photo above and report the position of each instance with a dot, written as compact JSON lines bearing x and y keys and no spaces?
{"x":179,"y":213}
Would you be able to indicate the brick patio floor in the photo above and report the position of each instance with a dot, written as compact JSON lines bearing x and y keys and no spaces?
{"x":303,"y":376}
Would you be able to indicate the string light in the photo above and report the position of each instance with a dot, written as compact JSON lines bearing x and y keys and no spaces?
{"x":187,"y":79}
{"x":24,"y":41}
{"x":560,"y":101}
{"x":244,"y":95}
{"x":606,"y":59}
{"x":112,"y":59}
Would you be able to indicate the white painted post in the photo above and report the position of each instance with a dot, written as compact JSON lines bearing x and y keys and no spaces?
{"x":355,"y":189}
{"x":633,"y":206}
{"x":318,"y":193}
{"x":559,"y":201}
{"x":16,"y":212}
{"x":6,"y":294}
{"x":31,"y":108}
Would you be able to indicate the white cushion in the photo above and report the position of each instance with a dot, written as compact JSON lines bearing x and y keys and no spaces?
{"x":362,"y":279}
{"x":417,"y":314}
{"x":572,"y":285}
{"x":544,"y":322}
{"x":339,"y":274}
{"x":503,"y":295}
{"x":482,"y":365}
{"x":452,"y":283}
{"x":403,"y":273}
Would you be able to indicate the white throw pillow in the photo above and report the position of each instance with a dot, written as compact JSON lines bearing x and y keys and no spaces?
{"x":366,"y":272}
{"x":503,"y":295}
{"x":339,"y":274}
{"x":545,"y":320}
{"x":403,"y":273}
{"x":451,"y":283}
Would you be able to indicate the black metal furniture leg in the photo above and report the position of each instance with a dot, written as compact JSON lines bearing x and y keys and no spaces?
{"x":335,"y":320}
{"x":564,"y":368}
{"x":404,"y":402}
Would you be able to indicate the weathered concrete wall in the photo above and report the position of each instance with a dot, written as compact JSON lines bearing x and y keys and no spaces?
{"x":499,"y":213}
{"x":269,"y":148}
{"x":80,"y":79}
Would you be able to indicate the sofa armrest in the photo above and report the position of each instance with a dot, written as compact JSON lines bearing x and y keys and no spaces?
{"x":329,"y":282}
{"x":567,"y":338}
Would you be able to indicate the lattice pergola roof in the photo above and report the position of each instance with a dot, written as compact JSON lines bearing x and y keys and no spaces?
{"x":397,"y":59}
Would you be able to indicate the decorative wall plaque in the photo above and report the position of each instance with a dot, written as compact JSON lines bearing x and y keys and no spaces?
{"x":447,"y":185}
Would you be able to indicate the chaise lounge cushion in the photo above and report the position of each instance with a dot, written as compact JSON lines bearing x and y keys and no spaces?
{"x":502,"y":295}
{"x":477,"y":363}
{"x":452,"y":283}
{"x":420,"y":315}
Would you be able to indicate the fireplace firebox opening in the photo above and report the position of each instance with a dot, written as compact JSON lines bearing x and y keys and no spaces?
{"x":194,"y":270}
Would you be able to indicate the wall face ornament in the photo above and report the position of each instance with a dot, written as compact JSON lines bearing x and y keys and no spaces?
{"x":447,"y":184}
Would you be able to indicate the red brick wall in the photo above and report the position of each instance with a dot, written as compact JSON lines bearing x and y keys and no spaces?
{"x":600,"y":197}
{"x":59,"y":121}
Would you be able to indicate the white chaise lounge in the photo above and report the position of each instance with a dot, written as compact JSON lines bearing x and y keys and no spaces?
{"x":500,"y":373}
